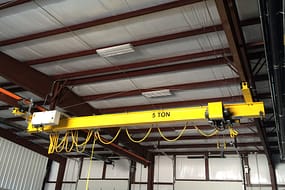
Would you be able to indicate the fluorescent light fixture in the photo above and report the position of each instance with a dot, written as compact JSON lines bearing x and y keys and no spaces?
{"x":157,"y":93}
{"x":115,"y":50}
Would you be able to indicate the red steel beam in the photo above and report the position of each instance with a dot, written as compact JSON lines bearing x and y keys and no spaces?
{"x":171,"y":129}
{"x":233,"y":31}
{"x":168,"y":68}
{"x":101,"y":21}
{"x":12,"y":3}
{"x":199,"y":137}
{"x":41,"y":85}
{"x":226,"y":152}
{"x":204,"y":145}
{"x":137,"y":43}
{"x":141,"y":64}
{"x":134,"y":43}
{"x":187,"y":86}
{"x":171,"y":104}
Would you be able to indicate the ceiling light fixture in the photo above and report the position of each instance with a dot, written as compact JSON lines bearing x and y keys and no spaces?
{"x":157,"y":93}
{"x":115,"y":50}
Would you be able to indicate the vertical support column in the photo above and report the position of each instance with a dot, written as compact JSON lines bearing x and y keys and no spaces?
{"x":47,"y":175}
{"x":207,"y":167}
{"x":60,"y":174}
{"x":132,"y":174}
{"x":261,"y":132}
{"x":150,"y":174}
{"x":104,"y":171}
{"x":247,"y":170}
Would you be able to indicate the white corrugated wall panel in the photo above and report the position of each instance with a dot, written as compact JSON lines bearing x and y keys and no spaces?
{"x":259,"y":171}
{"x":163,"y":169}
{"x":20,"y":168}
{"x":190,"y":168}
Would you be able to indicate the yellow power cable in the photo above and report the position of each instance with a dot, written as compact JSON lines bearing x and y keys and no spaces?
{"x":110,"y":142}
{"x":90,"y":162}
{"x":141,"y":140}
{"x":51,"y":144}
{"x":59,"y":147}
{"x":175,"y":139}
{"x":205,"y":134}
{"x":67,"y":142}
{"x":233,"y":132}
{"x":74,"y":137}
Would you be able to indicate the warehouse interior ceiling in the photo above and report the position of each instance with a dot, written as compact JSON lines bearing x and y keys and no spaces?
{"x":195,"y":51}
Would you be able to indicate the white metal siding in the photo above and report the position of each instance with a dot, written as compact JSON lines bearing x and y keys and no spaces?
{"x":20,"y":168}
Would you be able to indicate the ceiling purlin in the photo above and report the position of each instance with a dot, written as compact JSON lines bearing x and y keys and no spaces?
{"x":101,"y":21}
{"x":41,"y":84}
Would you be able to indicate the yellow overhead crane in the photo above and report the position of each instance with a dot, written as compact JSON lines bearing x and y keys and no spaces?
{"x":217,"y":113}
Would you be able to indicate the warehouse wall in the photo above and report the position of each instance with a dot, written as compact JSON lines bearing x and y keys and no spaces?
{"x":171,"y":173}
{"x":20,"y":168}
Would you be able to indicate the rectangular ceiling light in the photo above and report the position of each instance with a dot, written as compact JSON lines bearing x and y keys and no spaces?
{"x":157,"y":93}
{"x":115,"y":50}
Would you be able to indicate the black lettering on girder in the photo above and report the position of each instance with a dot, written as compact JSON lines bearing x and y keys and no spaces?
{"x":160,"y":114}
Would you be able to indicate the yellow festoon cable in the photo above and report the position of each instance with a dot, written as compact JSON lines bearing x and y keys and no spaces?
{"x":138,"y":141}
{"x":67,"y":142}
{"x":173,"y":140}
{"x":205,"y":134}
{"x":59,"y":147}
{"x":74,"y":137}
{"x":90,"y":162}
{"x":233,"y":132}
{"x":110,"y":142}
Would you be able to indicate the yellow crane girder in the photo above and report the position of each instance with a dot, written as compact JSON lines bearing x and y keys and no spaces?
{"x":213,"y":111}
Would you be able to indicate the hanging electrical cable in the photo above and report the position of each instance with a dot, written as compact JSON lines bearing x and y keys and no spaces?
{"x":138,"y":141}
{"x":67,"y":143}
{"x":205,"y":134}
{"x":110,"y":142}
{"x":90,"y":162}
{"x":233,"y":132}
{"x":175,"y":139}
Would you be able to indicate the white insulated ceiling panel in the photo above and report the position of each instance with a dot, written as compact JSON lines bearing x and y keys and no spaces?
{"x":119,"y":102}
{"x":121,"y":85}
{"x":25,"y":19}
{"x":73,"y":65}
{"x":177,"y":96}
{"x":45,"y":47}
{"x":247,"y":9}
{"x":29,"y":95}
{"x":182,"y":77}
{"x":252,"y":33}
{"x":201,"y":14}
{"x":74,"y":11}
{"x":188,"y":45}
{"x":105,"y":35}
